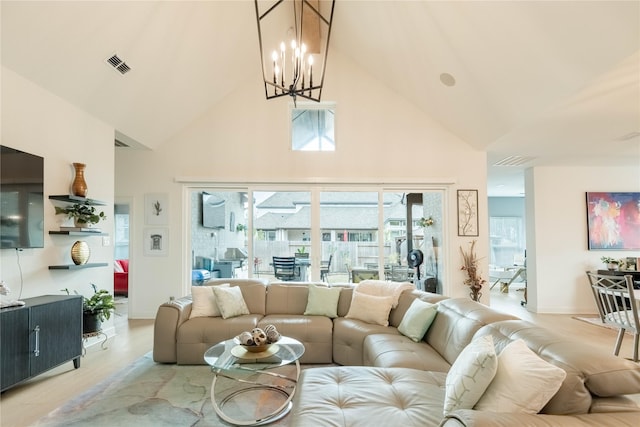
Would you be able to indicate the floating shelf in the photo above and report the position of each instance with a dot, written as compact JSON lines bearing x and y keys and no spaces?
{"x":78,"y":233}
{"x":76,"y":199}
{"x":76,"y":267}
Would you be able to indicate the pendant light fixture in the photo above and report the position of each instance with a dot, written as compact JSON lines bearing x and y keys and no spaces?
{"x":294,"y":39}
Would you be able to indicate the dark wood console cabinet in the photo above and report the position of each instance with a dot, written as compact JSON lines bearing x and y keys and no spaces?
{"x":44,"y":333}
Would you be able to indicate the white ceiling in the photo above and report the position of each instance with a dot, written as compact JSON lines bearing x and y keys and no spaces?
{"x":557,"y":81}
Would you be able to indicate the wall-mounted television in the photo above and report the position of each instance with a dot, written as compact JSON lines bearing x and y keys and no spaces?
{"x":21,"y":199}
{"x":213,"y":211}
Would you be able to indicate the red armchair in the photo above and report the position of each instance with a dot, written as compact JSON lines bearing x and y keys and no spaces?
{"x":121,"y":277}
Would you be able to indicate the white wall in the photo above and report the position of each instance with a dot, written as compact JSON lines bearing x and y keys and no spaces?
{"x":380,"y":138}
{"x":557,"y":254}
{"x":38,"y":122}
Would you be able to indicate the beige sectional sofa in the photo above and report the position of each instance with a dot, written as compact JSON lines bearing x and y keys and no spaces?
{"x":388,"y":379}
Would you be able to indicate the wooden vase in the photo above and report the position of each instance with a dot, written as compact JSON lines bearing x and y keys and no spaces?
{"x":79,"y":186}
{"x":80,"y":252}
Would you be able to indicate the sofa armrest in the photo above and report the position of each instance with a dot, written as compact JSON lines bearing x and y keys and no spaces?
{"x":471,"y":418}
{"x":169,"y":317}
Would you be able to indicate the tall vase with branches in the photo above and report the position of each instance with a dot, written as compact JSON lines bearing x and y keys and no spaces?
{"x":470,"y":265}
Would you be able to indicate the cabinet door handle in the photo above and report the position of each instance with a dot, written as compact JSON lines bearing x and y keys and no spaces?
{"x":36,"y":351}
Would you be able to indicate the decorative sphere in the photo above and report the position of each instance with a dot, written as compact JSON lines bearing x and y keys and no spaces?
{"x":259,"y":337}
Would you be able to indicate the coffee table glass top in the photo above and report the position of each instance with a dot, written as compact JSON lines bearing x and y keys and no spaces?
{"x":228,"y":355}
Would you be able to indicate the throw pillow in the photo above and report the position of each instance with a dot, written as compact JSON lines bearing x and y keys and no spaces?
{"x":204,"y":302}
{"x":524,"y":382}
{"x":370,"y":309}
{"x":417,"y":319}
{"x":470,"y":374}
{"x":117,"y":267}
{"x":230,"y":301}
{"x":322,"y":301}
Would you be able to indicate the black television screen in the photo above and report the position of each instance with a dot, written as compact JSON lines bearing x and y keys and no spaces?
{"x":21,"y":199}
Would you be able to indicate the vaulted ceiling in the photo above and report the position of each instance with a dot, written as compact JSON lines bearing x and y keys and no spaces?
{"x":556,"y":82}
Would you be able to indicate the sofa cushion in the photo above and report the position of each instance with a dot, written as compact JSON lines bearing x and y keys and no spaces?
{"x":370,"y":308}
{"x":197,"y":335}
{"x":417,"y":319}
{"x":523,"y":383}
{"x":470,"y":374}
{"x":322,"y":301}
{"x":397,"y":351}
{"x":230,"y":301}
{"x":457,"y":321}
{"x":315,"y":332}
{"x":349,"y":336}
{"x":287,"y":298}
{"x":363,"y":396}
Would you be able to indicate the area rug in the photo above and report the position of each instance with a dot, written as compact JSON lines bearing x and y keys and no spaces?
{"x":598,"y":322}
{"x":145,"y":394}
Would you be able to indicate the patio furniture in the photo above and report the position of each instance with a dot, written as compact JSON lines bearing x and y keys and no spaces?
{"x":284,"y":268}
{"x":325,"y":266}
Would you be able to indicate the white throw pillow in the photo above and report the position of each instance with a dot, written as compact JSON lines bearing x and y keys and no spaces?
{"x":417,"y":319}
{"x":204,"y":302}
{"x":370,"y":309}
{"x":322,"y":301}
{"x":470,"y":374}
{"x":524,"y":382}
{"x":230,"y":301}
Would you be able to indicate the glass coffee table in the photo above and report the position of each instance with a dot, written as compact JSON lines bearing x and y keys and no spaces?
{"x":253,"y":388}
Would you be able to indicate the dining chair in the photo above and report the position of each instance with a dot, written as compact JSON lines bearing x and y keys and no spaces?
{"x":284,"y":268}
{"x":325,"y":266}
{"x":617,"y":306}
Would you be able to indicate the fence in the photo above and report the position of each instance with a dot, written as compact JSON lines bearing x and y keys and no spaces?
{"x":345,"y":254}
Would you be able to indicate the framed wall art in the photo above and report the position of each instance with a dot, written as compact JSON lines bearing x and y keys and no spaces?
{"x":156,"y":209}
{"x":613,"y":221}
{"x":156,"y":241}
{"x":468,"y":213}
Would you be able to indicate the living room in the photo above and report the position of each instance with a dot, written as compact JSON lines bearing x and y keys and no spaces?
{"x":386,"y":140}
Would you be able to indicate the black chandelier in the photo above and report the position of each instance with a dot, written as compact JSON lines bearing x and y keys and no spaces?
{"x":294,"y":39}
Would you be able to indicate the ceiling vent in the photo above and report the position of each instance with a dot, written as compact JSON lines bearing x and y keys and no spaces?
{"x":513,"y":161}
{"x":629,"y":136}
{"x":119,"y":143}
{"x":118,"y":64}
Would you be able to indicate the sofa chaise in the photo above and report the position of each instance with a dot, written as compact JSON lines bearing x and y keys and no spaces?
{"x":387,"y":378}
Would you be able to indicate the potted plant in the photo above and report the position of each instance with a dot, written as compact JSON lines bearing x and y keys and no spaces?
{"x":83,"y":214}
{"x":612,"y":263}
{"x":96,"y":309}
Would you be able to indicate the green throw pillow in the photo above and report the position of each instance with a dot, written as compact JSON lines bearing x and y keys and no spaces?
{"x":417,"y":319}
{"x":322,"y":301}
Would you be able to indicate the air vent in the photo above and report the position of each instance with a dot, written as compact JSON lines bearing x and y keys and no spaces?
{"x":513,"y":161}
{"x":120,"y":144}
{"x":118,"y":64}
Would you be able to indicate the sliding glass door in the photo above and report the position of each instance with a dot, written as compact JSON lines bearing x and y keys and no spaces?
{"x":336,"y":235}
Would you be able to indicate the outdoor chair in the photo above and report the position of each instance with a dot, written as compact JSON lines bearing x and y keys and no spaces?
{"x":617,"y":306}
{"x":284,"y":268}
{"x":325,"y":267}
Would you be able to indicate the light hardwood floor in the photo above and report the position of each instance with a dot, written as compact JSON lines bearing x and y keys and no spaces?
{"x":25,"y":404}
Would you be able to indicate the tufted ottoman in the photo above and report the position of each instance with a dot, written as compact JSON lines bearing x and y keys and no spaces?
{"x":354,"y":395}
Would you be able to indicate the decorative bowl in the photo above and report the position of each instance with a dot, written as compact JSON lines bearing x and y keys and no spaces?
{"x":253,"y":348}
{"x":256,"y":348}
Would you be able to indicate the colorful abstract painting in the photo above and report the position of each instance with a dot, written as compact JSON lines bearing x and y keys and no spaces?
{"x":613,"y":220}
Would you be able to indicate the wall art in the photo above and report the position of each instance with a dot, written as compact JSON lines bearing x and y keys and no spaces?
{"x":468,"y":213}
{"x":156,"y":209}
{"x":156,"y":241}
{"x":613,"y":221}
